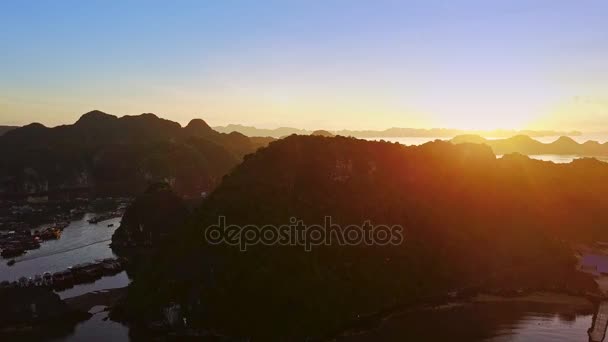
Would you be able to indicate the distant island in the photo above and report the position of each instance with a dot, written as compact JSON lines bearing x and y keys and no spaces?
{"x":526,"y":145}
{"x":323,"y":133}
{"x":394,"y":132}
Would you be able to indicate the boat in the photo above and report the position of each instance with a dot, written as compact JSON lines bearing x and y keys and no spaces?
{"x":12,"y":252}
{"x":38,"y":280}
{"x":50,"y":234}
{"x":111,"y":225}
{"x":62,"y":225}
{"x":11,"y":262}
{"x":57,"y":233}
{"x":69,"y":277}
{"x":86,"y":272}
{"x":58,"y":278}
{"x":23,"y":282}
{"x":47,"y":279}
{"x":62,"y":280}
{"x":110,"y":266}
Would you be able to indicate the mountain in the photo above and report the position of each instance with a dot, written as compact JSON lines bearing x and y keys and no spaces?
{"x":526,"y":145}
{"x":150,"y":218}
{"x":447,"y":133}
{"x":394,"y":132}
{"x":472,"y":223}
{"x":322,"y":133}
{"x":260,"y":132}
{"x":105,"y":154}
{"x":4,"y":129}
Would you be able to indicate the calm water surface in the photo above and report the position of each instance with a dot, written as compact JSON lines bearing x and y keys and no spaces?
{"x":601,"y":138}
{"x":496,"y":322}
{"x":80,"y":242}
{"x":546,"y":157}
{"x":98,"y":328}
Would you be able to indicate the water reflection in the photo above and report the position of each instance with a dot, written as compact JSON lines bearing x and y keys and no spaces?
{"x":80,"y":242}
{"x":106,"y":283}
{"x":487,"y":322}
{"x":559,"y":159}
{"x":98,"y":328}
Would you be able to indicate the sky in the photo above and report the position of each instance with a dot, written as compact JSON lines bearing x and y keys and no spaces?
{"x":530,"y":64}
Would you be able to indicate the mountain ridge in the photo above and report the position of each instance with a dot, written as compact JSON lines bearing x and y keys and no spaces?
{"x":393,"y":132}
{"x":527,"y":145}
{"x":103,"y":152}
{"x":472,"y":223}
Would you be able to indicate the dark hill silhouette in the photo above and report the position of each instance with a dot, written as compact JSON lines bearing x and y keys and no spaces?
{"x":105,"y":153}
{"x":198,"y":127}
{"x":388,"y":133}
{"x":472,"y":223}
{"x":4,"y":129}
{"x":261,"y":132}
{"x":322,"y":133}
{"x":526,"y":145}
{"x":151,"y":218}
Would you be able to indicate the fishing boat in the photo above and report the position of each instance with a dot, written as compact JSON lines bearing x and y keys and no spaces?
{"x":23,"y":282}
{"x":12,"y":252}
{"x":47,"y":279}
{"x":38,"y":280}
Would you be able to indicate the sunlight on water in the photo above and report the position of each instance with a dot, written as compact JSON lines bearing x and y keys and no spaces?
{"x":545,"y":140}
{"x":489,"y":322}
{"x":558,"y":159}
{"x":106,"y":283}
{"x":539,"y":328}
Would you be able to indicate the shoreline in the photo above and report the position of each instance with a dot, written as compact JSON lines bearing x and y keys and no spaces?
{"x":110,"y":298}
{"x":374,"y":321}
{"x":87,"y":301}
{"x":542,"y":297}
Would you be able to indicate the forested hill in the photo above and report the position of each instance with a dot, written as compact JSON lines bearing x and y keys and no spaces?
{"x":4,"y":129}
{"x":471,"y":221}
{"x":107,"y":154}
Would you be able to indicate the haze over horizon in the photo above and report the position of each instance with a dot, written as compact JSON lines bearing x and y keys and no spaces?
{"x":331,"y":65}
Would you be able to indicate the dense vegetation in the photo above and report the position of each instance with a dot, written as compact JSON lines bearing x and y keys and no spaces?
{"x":473,"y":222}
{"x":110,"y":155}
{"x":151,"y":218}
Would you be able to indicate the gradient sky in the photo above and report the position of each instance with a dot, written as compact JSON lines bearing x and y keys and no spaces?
{"x":310,"y":64}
